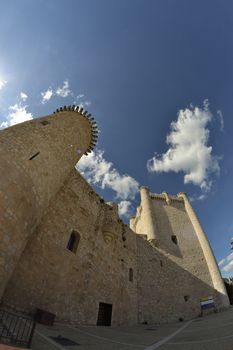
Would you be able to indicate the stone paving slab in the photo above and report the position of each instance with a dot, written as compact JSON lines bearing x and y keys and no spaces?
{"x":213,"y":332}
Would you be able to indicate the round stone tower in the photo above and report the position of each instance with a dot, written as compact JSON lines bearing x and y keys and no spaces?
{"x":35,"y":158}
{"x":144,"y":222}
{"x":208,"y":253}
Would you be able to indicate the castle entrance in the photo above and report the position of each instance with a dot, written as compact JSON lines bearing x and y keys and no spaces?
{"x":104,"y":314}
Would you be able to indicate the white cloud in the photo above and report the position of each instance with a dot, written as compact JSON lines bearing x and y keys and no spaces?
{"x":4,"y":125}
{"x":87,"y":103}
{"x":228,"y":267}
{"x":188,"y":150}
{"x":2,"y":83}
{"x":84,"y":103}
{"x":200,"y":197}
{"x":102,"y":173}
{"x":23,"y":96}
{"x":17,"y":114}
{"x":226,"y":264}
{"x":79,"y":96}
{"x":221,"y":120}
{"x":229,"y":257}
{"x":64,"y":91}
{"x":81,"y":102}
{"x":124,"y":208}
{"x":46,"y":95}
{"x":221,"y":262}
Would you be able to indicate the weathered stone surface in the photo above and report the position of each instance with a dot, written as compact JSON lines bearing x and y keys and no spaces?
{"x":29,"y":182}
{"x":50,"y":277}
{"x":170,"y":271}
{"x":44,"y":200}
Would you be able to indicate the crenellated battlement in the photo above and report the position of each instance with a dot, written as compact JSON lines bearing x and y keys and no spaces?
{"x":88,"y":116}
{"x":165,"y":197}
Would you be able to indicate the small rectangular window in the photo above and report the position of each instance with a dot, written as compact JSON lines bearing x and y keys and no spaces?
{"x":174,"y":239}
{"x":45,"y":122}
{"x":131,"y":275}
{"x":73,"y":242}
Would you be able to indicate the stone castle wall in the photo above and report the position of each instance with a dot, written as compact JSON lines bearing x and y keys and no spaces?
{"x":167,"y":291}
{"x":168,"y":280}
{"x":173,"y":264}
{"x":172,"y":277}
{"x":50,"y":277}
{"x":157,"y":271}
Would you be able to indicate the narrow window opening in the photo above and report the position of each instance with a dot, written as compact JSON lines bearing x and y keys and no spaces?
{"x":45,"y":122}
{"x":73,"y":242}
{"x":186,"y":297}
{"x":131,"y":275}
{"x":174,"y":239}
{"x":34,"y":155}
{"x":161,"y":263}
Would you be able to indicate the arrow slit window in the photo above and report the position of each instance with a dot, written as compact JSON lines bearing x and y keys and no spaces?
{"x":73,"y":242}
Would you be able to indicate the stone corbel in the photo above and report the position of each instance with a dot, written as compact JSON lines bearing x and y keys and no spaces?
{"x":109,"y":237}
{"x":167,"y":198}
{"x":154,"y":243}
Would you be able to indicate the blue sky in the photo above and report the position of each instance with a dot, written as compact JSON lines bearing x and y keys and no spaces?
{"x":138,"y":67}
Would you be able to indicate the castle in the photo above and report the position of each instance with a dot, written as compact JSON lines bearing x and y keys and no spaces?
{"x":64,"y":250}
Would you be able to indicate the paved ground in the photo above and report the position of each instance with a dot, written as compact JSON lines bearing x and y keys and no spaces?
{"x":6,"y":347}
{"x":214,"y":332}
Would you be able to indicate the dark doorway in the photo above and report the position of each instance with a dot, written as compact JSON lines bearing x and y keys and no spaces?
{"x":104,"y":315}
{"x":229,"y":288}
